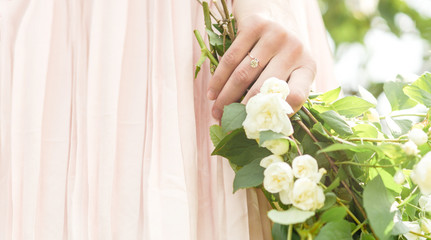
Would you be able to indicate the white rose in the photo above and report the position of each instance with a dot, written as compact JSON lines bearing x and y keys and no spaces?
{"x":421,"y":174}
{"x":306,"y":195}
{"x":267,"y":112}
{"x":277,"y":146}
{"x":285,"y":196}
{"x":418,"y":136}
{"x":410,"y":148}
{"x":425,"y":203}
{"x":414,"y":227}
{"x":426,"y":225}
{"x":277,"y":177}
{"x":265,"y":162}
{"x":399,"y":177}
{"x":305,"y":166}
{"x":275,"y":85}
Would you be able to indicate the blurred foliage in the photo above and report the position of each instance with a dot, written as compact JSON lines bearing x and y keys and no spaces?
{"x":348,"y":22}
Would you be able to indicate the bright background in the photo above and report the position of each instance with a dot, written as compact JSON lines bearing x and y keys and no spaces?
{"x":375,"y":40}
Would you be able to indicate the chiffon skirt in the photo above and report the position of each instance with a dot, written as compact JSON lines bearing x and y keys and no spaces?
{"x":104,"y":131}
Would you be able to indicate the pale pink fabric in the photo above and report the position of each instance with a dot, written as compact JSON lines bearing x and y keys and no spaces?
{"x":104,"y":132}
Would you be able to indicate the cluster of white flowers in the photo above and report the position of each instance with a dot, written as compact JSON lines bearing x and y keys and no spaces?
{"x":304,"y":192}
{"x":420,"y":226}
{"x":268,"y":110}
{"x":421,"y":174}
{"x":417,"y":137}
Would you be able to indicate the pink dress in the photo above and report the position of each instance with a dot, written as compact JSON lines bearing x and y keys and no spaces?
{"x":104,"y":132}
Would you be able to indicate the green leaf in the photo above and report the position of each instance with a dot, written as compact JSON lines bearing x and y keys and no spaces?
{"x":214,"y":38}
{"x":290,"y":216}
{"x":279,"y":232}
{"x":330,"y":199}
{"x":251,"y":175}
{"x":398,"y":127}
{"x":233,"y":116}
{"x":201,"y":60}
{"x":397,"y":98}
{"x":329,"y":96}
{"x":334,"y":214}
{"x":337,"y":123}
{"x":216,"y":134}
{"x":367,"y":236}
{"x":351,"y":106}
{"x":239,"y":149}
{"x":424,"y":82}
{"x":339,"y":230}
{"x":377,"y":204}
{"x":365,"y":131}
{"x":333,"y":185}
{"x":269,"y":135}
{"x":388,"y":181}
{"x":367,"y":96}
{"x":418,"y":94}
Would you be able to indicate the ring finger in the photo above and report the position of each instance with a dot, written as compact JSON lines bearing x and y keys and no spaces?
{"x":244,"y":74}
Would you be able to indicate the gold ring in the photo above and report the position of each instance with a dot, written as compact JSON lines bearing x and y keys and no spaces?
{"x":254,"y":63}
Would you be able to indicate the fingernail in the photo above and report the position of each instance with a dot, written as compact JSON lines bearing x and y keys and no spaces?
{"x":211,"y":95}
{"x":217,"y":113}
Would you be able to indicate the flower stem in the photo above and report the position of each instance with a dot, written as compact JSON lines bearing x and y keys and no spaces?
{"x":289,"y":233}
{"x":420,"y":235}
{"x":377,"y":140}
{"x":349,"y":212}
{"x":407,"y":199}
{"x":405,"y":115}
{"x":212,"y":15}
{"x":335,"y":168}
{"x":364,"y":165}
{"x":204,"y":49}
{"x":230,"y":32}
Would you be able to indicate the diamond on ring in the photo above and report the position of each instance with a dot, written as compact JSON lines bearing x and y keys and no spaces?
{"x":254,"y":61}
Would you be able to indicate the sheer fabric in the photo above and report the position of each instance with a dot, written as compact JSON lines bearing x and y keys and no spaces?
{"x":104,"y":132}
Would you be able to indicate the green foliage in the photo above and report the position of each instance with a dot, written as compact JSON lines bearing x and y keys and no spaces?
{"x":360,"y":160}
{"x":339,"y":230}
{"x":334,"y":214}
{"x":351,"y":106}
{"x":291,"y":216}
{"x":233,"y":117}
{"x":239,"y":149}
{"x":216,"y":134}
{"x":348,"y":25}
{"x":377,"y":203}
{"x":251,"y":175}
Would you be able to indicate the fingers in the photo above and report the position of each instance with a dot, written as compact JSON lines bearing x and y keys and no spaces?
{"x":243,"y":76}
{"x":300,"y":85}
{"x":230,"y":60}
{"x":278,"y":67}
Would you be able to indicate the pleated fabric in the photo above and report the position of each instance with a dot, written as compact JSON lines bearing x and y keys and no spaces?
{"x":104,"y":131}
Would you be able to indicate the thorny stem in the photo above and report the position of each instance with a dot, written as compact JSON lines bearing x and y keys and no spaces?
{"x":377,"y":140}
{"x":204,"y":49}
{"x":334,"y":167}
{"x":230,"y":32}
{"x":219,"y":9}
{"x":350,"y":213}
{"x":364,"y":165}
{"x":297,"y":148}
{"x":212,"y":15}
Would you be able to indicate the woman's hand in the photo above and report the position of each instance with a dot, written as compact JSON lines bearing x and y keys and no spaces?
{"x":267,"y":32}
